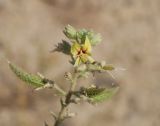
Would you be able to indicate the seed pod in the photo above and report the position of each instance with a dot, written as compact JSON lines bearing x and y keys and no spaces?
{"x":31,"y":79}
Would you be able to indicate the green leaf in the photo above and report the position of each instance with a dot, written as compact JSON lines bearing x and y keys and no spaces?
{"x":94,"y":67}
{"x":108,"y":67}
{"x":93,"y":38}
{"x":31,"y":79}
{"x":97,"y":95}
{"x":63,"y":47}
{"x":93,"y":91}
{"x":99,"y":67}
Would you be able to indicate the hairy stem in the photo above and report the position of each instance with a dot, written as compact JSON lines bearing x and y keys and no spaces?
{"x":60,"y":116}
{"x":59,"y":89}
{"x":64,"y":104}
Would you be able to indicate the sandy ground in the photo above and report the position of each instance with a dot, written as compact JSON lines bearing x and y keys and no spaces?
{"x":29,"y":29}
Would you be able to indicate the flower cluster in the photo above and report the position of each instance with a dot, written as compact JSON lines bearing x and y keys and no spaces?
{"x":80,"y":49}
{"x":80,"y":45}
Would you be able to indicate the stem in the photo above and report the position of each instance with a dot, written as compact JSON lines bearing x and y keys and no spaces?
{"x":59,"y":89}
{"x":64,"y":104}
{"x":60,"y":116}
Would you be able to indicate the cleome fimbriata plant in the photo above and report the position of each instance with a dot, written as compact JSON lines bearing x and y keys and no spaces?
{"x":79,"y":48}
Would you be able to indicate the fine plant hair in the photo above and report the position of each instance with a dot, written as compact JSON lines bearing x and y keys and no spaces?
{"x":79,"y":48}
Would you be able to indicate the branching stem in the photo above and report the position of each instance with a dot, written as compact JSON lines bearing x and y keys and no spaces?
{"x":65,"y":103}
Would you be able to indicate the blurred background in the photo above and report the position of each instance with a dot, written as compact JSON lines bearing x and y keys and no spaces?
{"x":29,"y":29}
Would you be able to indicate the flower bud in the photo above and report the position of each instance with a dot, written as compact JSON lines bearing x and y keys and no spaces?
{"x":68,"y":76}
{"x":70,"y":32}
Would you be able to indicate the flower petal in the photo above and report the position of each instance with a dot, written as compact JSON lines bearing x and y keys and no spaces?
{"x":87,"y":45}
{"x":75,"y":48}
{"x":90,"y":59}
{"x":77,"y":61}
{"x":84,"y":58}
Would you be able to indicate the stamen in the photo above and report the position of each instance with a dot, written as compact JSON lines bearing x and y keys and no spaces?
{"x":84,"y":51}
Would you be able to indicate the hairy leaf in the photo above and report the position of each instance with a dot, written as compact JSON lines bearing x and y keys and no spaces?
{"x":31,"y":79}
{"x":96,"y":94}
{"x":93,"y":37}
{"x":108,"y":67}
{"x":63,"y":47}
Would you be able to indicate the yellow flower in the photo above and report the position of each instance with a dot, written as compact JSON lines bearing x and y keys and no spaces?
{"x":81,"y":52}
